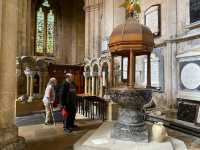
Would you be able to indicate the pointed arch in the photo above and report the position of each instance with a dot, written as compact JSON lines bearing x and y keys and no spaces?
{"x":45,"y":12}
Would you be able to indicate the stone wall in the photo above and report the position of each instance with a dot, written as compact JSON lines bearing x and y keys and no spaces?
{"x":165,"y":42}
{"x":177,"y":36}
{"x":101,"y":18}
{"x":69,"y":30}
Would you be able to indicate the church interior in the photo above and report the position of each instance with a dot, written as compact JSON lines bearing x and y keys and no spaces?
{"x":135,"y":64}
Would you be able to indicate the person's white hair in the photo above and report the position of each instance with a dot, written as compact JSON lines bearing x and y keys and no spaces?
{"x":68,"y":75}
{"x":52,"y":81}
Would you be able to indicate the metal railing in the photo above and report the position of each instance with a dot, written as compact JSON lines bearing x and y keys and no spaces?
{"x":92,"y":107}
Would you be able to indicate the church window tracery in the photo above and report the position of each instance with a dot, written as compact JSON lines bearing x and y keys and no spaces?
{"x":45,"y":29}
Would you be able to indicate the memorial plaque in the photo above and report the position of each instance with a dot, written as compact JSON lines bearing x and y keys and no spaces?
{"x":197,"y":119}
{"x":104,"y":45}
{"x":152,"y":19}
{"x":194,"y":11}
{"x":190,"y":76}
{"x":186,"y":112}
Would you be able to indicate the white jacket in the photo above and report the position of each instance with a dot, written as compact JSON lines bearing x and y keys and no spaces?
{"x":49,"y":95}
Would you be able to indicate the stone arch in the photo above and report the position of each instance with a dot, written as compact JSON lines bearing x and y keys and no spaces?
{"x":42,"y":65}
{"x":95,"y":79}
{"x":95,"y":68}
{"x":104,"y":85}
{"x":87,"y":70}
{"x":95,"y":65}
{"x":27,"y":61}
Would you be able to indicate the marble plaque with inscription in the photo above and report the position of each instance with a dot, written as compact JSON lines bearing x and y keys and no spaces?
{"x":152,"y":19}
{"x":104,"y":45}
{"x":194,"y":11}
{"x":190,"y":76}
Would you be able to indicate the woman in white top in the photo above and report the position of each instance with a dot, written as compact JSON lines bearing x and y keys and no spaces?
{"x":48,"y":99}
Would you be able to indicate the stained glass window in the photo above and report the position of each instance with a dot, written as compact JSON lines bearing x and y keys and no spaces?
{"x":50,"y":33}
{"x":45,"y":29}
{"x":40,"y":31}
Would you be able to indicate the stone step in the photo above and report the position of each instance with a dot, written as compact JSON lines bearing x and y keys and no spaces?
{"x":183,"y":126}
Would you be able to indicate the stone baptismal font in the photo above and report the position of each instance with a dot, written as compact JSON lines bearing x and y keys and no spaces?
{"x":129,"y":40}
{"x":129,"y":132}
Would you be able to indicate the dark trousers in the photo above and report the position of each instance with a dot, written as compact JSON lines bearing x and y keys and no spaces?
{"x":72,"y":119}
{"x":66,"y":123}
{"x":69,"y":121}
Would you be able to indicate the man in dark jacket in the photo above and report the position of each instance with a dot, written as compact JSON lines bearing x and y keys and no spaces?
{"x":68,"y":101}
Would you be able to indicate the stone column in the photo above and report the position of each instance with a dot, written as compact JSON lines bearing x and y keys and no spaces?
{"x":90,"y":87}
{"x":97,"y":86}
{"x":30,"y":99}
{"x":8,"y":47}
{"x":93,"y":84}
{"x":101,"y":87}
{"x":40,"y":84}
{"x":85,"y":85}
{"x":31,"y":86}
{"x":87,"y":33}
{"x":86,"y":82}
{"x":170,"y":74}
{"x":27,"y":85}
{"x":148,"y":70}
{"x":170,"y":54}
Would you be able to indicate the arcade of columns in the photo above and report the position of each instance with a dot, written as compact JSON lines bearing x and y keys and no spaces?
{"x":97,"y":77}
{"x":98,"y":26}
{"x":35,"y":70}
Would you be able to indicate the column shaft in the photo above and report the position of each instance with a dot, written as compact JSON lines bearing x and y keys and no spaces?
{"x":8,"y":47}
{"x":27,"y":85}
{"x":131,"y":69}
{"x":93,"y":85}
{"x":85,"y":85}
{"x":31,"y":86}
{"x":149,"y":70}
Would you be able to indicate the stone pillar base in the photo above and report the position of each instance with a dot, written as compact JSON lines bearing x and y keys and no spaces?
{"x":16,"y":144}
{"x":130,"y":126}
{"x":129,"y":132}
{"x":112,"y":111}
{"x":9,"y":139}
{"x":30,"y":99}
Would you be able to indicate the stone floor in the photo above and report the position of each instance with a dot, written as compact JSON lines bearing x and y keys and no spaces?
{"x":41,"y":137}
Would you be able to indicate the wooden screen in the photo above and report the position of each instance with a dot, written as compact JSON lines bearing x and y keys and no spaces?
{"x":59,"y":71}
